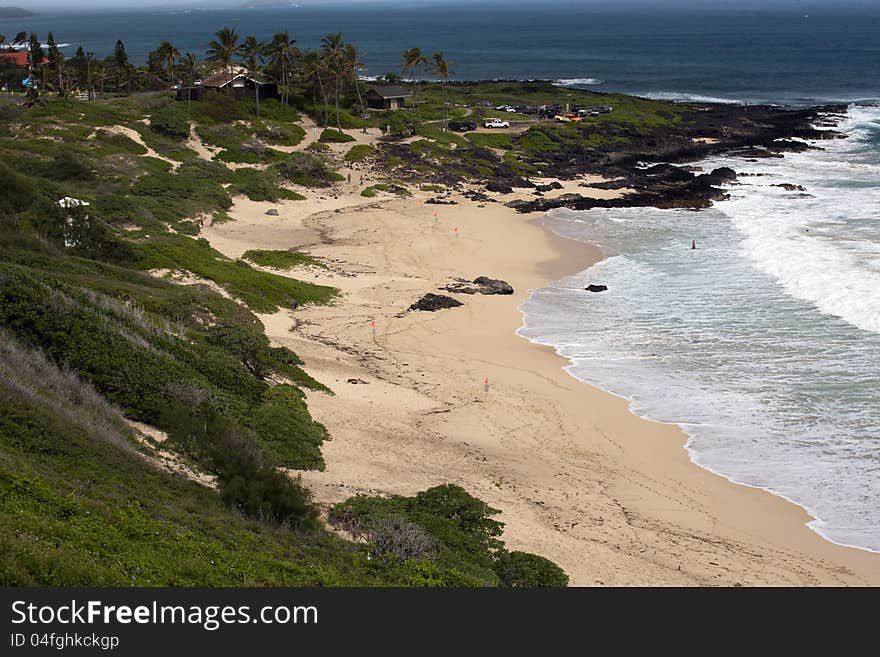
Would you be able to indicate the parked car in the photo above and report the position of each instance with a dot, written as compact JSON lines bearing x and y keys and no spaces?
{"x":462,"y":126}
{"x":496,"y":123}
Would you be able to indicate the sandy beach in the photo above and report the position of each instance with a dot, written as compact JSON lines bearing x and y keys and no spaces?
{"x":578,"y":478}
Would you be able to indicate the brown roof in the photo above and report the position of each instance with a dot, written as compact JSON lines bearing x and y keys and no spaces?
{"x":390,"y":91}
{"x":220,"y":80}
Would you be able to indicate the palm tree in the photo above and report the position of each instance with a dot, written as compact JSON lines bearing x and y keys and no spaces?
{"x":441,"y":69}
{"x":2,"y":41}
{"x":353,"y":64}
{"x":312,"y":73}
{"x":281,"y":52}
{"x":168,"y":54}
{"x":100,"y":74}
{"x":224,"y":48}
{"x":189,"y":66}
{"x":251,"y":52}
{"x":333,"y":50}
{"x":414,"y":61}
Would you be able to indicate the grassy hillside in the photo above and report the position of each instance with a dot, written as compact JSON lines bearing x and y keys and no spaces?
{"x":97,"y":333}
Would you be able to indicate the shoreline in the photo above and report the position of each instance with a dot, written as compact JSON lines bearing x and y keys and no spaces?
{"x":612,"y":497}
{"x":692,"y":453}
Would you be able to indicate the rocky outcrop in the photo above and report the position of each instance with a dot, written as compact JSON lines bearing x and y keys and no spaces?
{"x":499,"y":186}
{"x":433,"y":302}
{"x":484,"y":285}
{"x":789,"y":187}
{"x":596,"y":288}
{"x":272,"y":212}
{"x":661,"y":186}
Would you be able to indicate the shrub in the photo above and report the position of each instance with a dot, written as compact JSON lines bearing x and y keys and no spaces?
{"x":220,"y":108}
{"x":261,"y":291}
{"x":391,"y":188}
{"x":280,"y":259}
{"x":281,"y":134}
{"x":286,"y":432}
{"x":332,"y":136}
{"x":171,"y":121}
{"x":17,"y":191}
{"x":307,"y":170}
{"x":399,"y":124}
{"x":359,"y":153}
{"x":66,"y":165}
{"x":528,"y":570}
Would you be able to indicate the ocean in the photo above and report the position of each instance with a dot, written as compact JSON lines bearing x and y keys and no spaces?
{"x":729,"y":53}
{"x":764,"y":342}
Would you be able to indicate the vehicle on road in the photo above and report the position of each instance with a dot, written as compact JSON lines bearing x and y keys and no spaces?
{"x":495,"y":123}
{"x":462,"y":126}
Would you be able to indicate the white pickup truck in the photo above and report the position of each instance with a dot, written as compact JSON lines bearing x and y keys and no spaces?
{"x":495,"y":123}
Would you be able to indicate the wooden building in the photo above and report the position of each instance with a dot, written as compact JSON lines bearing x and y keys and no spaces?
{"x":390,"y":97}
{"x":239,"y":85}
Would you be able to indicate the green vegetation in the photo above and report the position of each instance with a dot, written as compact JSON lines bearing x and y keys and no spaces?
{"x":359,"y":153}
{"x":281,"y":259}
{"x":331,"y":136}
{"x":261,"y":291}
{"x":490,"y":140}
{"x":447,"y":527}
{"x":281,"y":134}
{"x":171,"y":121}
{"x":391,"y":188}
{"x":307,"y":170}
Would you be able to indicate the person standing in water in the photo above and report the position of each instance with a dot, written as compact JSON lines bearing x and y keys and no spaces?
{"x":693,"y":244}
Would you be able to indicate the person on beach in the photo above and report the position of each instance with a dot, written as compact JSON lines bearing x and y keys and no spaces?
{"x":349,"y":177}
{"x":693,"y":244}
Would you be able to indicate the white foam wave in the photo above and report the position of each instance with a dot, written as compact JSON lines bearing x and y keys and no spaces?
{"x":726,"y":341}
{"x":683,"y":97}
{"x":568,"y":82}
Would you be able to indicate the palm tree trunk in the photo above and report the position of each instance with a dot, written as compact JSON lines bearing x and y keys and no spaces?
{"x":336,"y":94}
{"x":445,"y":102}
{"x":257,"y":97}
{"x":360,"y":102}
{"x":326,"y":102}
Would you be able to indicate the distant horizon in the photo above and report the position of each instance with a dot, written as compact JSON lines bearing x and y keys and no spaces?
{"x":814,"y":6}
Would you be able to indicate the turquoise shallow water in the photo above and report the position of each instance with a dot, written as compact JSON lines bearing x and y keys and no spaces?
{"x":764,"y":342}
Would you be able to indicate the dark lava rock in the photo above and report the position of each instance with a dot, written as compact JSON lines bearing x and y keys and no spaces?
{"x":440,"y":201}
{"x":432,"y":302}
{"x":549,"y":187}
{"x":499,"y":186}
{"x":507,"y":185}
{"x":272,"y":212}
{"x":596,"y":288}
{"x":493,"y":285}
{"x":790,"y":187}
{"x":723,"y":174}
{"x":484,"y":285}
